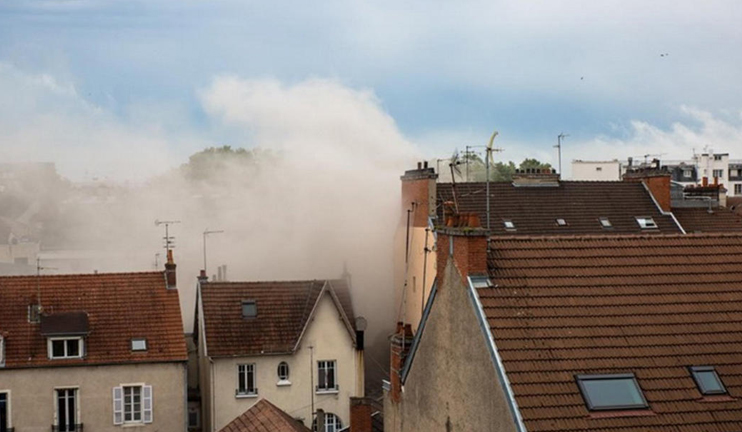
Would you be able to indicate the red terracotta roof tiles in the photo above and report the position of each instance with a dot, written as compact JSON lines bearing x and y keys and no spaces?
{"x":119,"y":307}
{"x":534,"y":210}
{"x":648,"y":305}
{"x":283,"y":309}
{"x":699,"y":220}
{"x":264,"y":417}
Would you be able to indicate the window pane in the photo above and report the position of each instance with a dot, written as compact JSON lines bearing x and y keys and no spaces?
{"x":708,"y":381}
{"x":249,"y":309}
{"x":612,"y":393}
{"x":73,"y":348}
{"x":58,"y":348}
{"x":241,"y":378}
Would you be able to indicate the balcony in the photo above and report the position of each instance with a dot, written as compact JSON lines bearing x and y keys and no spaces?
{"x":67,"y":428}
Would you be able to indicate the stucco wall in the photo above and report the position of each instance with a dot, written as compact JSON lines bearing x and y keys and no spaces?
{"x":330,"y":341}
{"x":33,"y":396}
{"x":413,"y":295}
{"x":596,"y":170}
{"x":452,"y":385}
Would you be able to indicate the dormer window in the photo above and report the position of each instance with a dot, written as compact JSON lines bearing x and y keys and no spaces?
{"x":65,"y":348}
{"x":707,"y":380}
{"x":249,"y":309}
{"x":646,"y":222}
{"x":139,"y":344}
{"x":509,"y":225}
{"x":611,"y":392}
{"x":605,"y":223}
{"x":561,"y":222}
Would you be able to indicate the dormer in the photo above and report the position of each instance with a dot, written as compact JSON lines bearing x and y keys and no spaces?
{"x":65,"y":334}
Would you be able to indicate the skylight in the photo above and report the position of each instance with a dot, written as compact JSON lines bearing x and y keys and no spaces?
{"x":249,"y":309}
{"x":605,"y":223}
{"x":707,"y":380}
{"x":611,"y":392}
{"x":561,"y":222}
{"x":646,"y":222}
{"x":509,"y":225}
{"x":139,"y":344}
{"x":480,"y":281}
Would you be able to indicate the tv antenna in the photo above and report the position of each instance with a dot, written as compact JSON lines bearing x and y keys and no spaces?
{"x":206,"y":233}
{"x":489,"y":161}
{"x":169,"y":241}
{"x":39,"y":267}
{"x":454,"y":166}
{"x":560,"y":138}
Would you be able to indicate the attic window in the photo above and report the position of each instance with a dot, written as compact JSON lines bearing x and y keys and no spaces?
{"x":139,"y":344}
{"x":611,"y":392}
{"x":707,"y":380}
{"x":480,"y":281}
{"x":509,"y":225}
{"x":561,"y":222}
{"x":249,"y":309}
{"x":605,"y":223}
{"x":646,"y":222}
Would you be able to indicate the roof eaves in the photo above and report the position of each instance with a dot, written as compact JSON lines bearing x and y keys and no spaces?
{"x":202,"y":320}
{"x":495,"y":355}
{"x":340,"y":309}
{"x":309,"y":318}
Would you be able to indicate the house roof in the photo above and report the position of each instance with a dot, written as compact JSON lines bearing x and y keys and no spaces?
{"x":534,"y":210}
{"x":648,"y":305}
{"x":283,"y":311}
{"x":108,"y":308}
{"x":264,"y":417}
{"x":698,"y":220}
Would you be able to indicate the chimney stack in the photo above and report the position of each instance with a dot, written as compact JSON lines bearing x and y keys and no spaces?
{"x":361,"y":413}
{"x":418,"y":186}
{"x":401,"y":344}
{"x":170,"y":271}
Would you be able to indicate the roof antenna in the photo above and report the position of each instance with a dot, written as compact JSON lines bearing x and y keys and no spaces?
{"x":454,"y":166}
{"x":560,"y":138}
{"x":38,"y":307}
{"x":169,"y":241}
{"x":490,"y":160}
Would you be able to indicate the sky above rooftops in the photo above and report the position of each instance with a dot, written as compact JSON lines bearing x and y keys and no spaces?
{"x":128,"y":89}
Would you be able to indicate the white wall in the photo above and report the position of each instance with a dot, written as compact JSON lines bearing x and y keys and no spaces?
{"x":596,"y":170}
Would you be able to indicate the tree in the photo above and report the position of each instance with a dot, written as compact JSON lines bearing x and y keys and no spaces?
{"x":501,"y":171}
{"x":211,"y":162}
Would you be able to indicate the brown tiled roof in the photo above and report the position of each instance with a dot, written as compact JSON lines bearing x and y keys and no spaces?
{"x":119,"y":307}
{"x":697,"y":220}
{"x":534,"y":210}
{"x":264,"y":417}
{"x":283,"y":310}
{"x":648,"y":305}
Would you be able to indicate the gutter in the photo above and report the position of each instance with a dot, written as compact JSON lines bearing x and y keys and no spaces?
{"x":662,"y":212}
{"x":496,"y":359}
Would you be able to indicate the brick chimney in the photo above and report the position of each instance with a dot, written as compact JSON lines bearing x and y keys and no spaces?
{"x":657,"y":181}
{"x":401,"y":342}
{"x":418,"y":186}
{"x":467,"y":247}
{"x":170,"y":271}
{"x":202,"y":277}
{"x":361,"y":412}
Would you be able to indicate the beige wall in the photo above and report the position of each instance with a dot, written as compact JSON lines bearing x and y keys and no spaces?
{"x":596,"y":170}
{"x":413,"y":299}
{"x":331,"y":341}
{"x":33,"y":405}
{"x":453,"y":384}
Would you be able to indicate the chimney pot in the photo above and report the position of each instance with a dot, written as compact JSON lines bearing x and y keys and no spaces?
{"x":170,"y":271}
{"x":419,"y":165}
{"x":425,"y":164}
{"x":705,"y":181}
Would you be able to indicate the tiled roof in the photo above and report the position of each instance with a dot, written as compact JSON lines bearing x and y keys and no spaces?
{"x":264,"y":417}
{"x":697,"y":220}
{"x":119,"y":307}
{"x":648,"y":305}
{"x":534,"y":210}
{"x":283,"y":309}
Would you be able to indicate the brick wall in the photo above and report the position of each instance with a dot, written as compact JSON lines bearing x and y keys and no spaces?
{"x":418,"y":186}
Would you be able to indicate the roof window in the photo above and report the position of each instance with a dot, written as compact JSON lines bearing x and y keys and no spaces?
{"x":480,"y":281}
{"x":611,"y":392}
{"x":707,"y":380}
{"x":509,"y":225}
{"x":605,"y":223}
{"x":561,"y":222}
{"x":249,"y":309}
{"x":646,"y":222}
{"x":139,"y":344}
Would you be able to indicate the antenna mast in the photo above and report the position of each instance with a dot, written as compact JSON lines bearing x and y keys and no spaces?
{"x":490,"y":149}
{"x":560,"y":137}
{"x":169,"y":241}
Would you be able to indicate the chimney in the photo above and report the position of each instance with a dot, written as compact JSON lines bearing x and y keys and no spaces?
{"x":536,"y":177}
{"x":466,"y":248}
{"x":658,"y":183}
{"x":170,"y":271}
{"x":705,"y":181}
{"x":202,"y":277}
{"x":219,"y":276}
{"x":418,"y":186}
{"x":361,"y":413}
{"x":224,"y":273}
{"x":360,"y":325}
{"x":401,"y":342}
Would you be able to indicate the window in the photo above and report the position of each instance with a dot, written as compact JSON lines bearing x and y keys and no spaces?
{"x":738,"y":189}
{"x":561,"y":222}
{"x":67,"y":410}
{"x":139,"y":344}
{"x":605,"y":223}
{"x":4,"y":412}
{"x":132,"y":404}
{"x":598,"y":168}
{"x":611,"y":392}
{"x":246,"y":380}
{"x":719,"y":173}
{"x":332,"y":423}
{"x":249,"y":309}
{"x":194,"y":419}
{"x":480,"y":281}
{"x":509,"y":225}
{"x":326,"y":376}
{"x":687,"y":173}
{"x":61,"y":348}
{"x":646,"y":222}
{"x":707,"y":380}
{"x":717,"y":157}
{"x":283,"y":372}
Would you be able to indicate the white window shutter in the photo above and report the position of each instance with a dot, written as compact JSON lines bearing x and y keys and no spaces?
{"x":118,"y":405}
{"x":147,"y":404}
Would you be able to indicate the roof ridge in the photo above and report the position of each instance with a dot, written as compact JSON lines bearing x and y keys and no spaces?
{"x":75,"y":275}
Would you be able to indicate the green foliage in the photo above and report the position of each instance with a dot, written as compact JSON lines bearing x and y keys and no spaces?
{"x":499,"y":171}
{"x":209,"y":163}
{"x":533,"y":163}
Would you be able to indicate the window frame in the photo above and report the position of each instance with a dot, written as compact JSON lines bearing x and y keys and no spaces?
{"x":245,"y":391}
{"x":139,"y":349}
{"x":75,"y":396}
{"x":146,"y":405}
{"x":605,"y":223}
{"x":561,"y":222}
{"x":717,"y":171}
{"x":8,"y":408}
{"x":325,"y":387}
{"x":737,"y":189}
{"x":509,"y":225}
{"x":480,"y":281}
{"x":244,"y":303}
{"x":80,"y":347}
{"x":592,"y":407}
{"x":283,"y":379}
{"x":336,"y":426}
{"x":646,"y":222}
{"x":694,"y":370}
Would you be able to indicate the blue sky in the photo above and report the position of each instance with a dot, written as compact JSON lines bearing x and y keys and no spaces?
{"x":100,"y":80}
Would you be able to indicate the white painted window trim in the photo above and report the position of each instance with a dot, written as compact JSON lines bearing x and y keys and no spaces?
{"x":78,"y":411}
{"x":247,"y":394}
{"x":80,"y":350}
{"x":139,"y":339}
{"x":328,"y":390}
{"x":147,"y":407}
{"x":9,"y":406}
